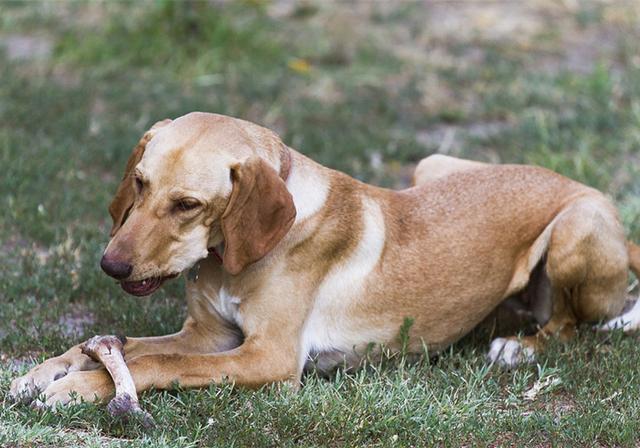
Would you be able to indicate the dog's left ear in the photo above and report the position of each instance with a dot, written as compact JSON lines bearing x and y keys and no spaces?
{"x":125,"y":195}
{"x":259,"y":214}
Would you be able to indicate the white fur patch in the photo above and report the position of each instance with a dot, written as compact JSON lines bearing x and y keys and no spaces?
{"x":328,"y":327}
{"x":509,"y":352}
{"x":226,"y":306}
{"x":309,"y":190}
{"x":629,"y":321}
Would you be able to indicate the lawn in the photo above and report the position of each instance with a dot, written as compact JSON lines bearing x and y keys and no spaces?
{"x":367,"y":88}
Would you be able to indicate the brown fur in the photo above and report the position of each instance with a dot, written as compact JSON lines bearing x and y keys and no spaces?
{"x":634,"y":258}
{"x":357,"y":261}
{"x":123,"y":199}
{"x":259,"y":214}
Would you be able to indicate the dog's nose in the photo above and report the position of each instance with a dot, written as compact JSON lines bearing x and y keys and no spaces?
{"x":115,"y":268}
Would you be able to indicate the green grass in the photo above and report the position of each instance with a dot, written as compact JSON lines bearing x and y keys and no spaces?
{"x":359,"y":96}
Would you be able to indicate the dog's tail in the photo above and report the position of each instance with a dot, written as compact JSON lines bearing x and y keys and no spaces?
{"x":629,"y":320}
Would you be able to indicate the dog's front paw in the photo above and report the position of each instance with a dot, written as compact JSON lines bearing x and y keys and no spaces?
{"x":26,"y":387}
{"x":510,"y":352}
{"x":77,"y":387}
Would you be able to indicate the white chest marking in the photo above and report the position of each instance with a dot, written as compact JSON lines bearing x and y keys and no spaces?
{"x":330,"y":325}
{"x":227,"y":306}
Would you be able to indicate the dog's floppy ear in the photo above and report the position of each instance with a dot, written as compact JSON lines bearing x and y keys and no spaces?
{"x":259,"y":214}
{"x":124,"y":197}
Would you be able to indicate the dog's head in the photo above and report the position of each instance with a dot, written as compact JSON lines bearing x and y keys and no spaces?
{"x":189,"y":185}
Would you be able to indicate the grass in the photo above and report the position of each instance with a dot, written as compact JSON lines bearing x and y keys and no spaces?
{"x":369,"y":91}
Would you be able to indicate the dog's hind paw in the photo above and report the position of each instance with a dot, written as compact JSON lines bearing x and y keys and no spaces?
{"x":509,"y":352}
{"x":628,"y":321}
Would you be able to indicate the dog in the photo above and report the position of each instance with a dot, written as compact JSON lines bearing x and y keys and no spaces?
{"x":287,"y":260}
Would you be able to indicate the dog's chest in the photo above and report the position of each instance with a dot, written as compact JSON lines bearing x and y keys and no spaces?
{"x":226,"y":305}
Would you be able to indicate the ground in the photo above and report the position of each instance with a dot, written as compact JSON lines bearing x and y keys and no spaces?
{"x":369,"y":88}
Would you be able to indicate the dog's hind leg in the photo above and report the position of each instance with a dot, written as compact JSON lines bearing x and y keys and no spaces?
{"x":512,"y":351}
{"x":630,"y":319}
{"x":587,"y":267}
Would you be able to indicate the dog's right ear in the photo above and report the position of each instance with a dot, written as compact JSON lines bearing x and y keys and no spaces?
{"x":125,"y":194}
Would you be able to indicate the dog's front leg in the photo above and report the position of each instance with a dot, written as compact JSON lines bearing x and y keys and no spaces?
{"x":270,"y":353}
{"x":253,"y":364}
{"x":193,"y":338}
{"x":250,"y":366}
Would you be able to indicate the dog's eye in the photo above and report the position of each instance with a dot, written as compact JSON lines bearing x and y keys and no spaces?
{"x":186,"y":204}
{"x":139,"y":184}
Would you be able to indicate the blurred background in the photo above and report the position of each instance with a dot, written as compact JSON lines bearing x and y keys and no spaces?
{"x":367,"y":87}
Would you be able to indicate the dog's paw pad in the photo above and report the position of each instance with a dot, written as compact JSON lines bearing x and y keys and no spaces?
{"x":509,"y":353}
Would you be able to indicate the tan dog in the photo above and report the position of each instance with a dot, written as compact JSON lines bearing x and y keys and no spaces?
{"x":290,"y":260}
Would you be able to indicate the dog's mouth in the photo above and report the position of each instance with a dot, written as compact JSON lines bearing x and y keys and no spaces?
{"x":146,"y":286}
